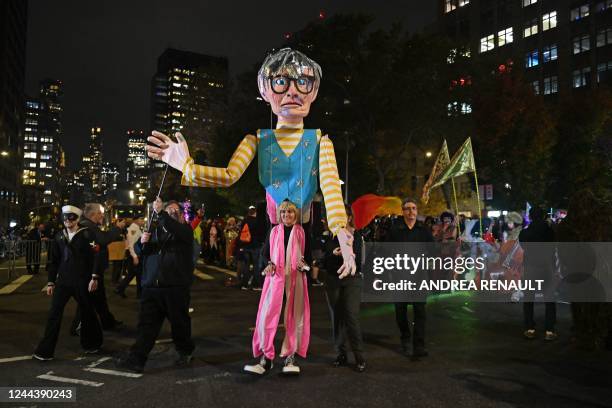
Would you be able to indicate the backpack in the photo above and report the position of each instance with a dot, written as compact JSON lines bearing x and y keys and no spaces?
{"x":245,"y":234}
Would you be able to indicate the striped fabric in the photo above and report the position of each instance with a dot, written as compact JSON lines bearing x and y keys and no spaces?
{"x":195,"y":175}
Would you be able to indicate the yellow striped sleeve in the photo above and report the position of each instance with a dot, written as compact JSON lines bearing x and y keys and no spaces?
{"x":330,"y":186}
{"x":195,"y":175}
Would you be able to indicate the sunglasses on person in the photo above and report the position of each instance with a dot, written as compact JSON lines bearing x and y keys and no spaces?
{"x":280,"y":84}
{"x":70,"y":217}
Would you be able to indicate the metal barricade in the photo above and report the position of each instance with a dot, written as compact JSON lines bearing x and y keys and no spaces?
{"x":28,"y":255}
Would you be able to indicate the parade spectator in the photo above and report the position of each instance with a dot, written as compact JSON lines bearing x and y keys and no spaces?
{"x":73,"y":272}
{"x":250,"y":242}
{"x":230,"y":232}
{"x":167,"y":277}
{"x":35,"y":239}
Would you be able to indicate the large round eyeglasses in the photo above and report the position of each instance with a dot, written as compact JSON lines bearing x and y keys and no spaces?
{"x":280,"y":84}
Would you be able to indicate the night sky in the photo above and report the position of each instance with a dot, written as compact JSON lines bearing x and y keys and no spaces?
{"x":105,"y":53}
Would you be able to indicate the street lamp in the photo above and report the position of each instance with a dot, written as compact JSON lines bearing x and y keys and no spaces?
{"x":428,"y":154}
{"x":4,"y":153}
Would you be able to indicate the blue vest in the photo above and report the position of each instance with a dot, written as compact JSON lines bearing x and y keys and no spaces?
{"x":294,"y":177}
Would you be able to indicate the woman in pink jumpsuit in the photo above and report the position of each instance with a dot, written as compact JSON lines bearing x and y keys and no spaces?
{"x":285,"y":278}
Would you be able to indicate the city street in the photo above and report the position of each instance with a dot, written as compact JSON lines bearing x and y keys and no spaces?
{"x":478,"y":357}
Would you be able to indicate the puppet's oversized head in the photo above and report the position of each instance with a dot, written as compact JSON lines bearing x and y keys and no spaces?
{"x":289,"y":81}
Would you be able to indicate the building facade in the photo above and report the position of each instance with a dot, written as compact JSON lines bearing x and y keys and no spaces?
{"x":13,"y":29}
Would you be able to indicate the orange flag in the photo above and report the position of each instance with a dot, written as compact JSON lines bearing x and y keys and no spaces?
{"x":368,"y":206}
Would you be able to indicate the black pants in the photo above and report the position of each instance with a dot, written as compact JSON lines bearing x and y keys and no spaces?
{"x":251,"y":257}
{"x":133,"y":271}
{"x":157,"y":304}
{"x":344,"y":301}
{"x":101,"y":307}
{"x":550,"y":316}
{"x":401,"y":317}
{"x":117,"y":270}
{"x":91,"y":333}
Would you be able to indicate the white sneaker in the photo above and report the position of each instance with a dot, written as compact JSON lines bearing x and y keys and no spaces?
{"x":290,"y":367}
{"x":260,"y":368}
{"x":41,"y":358}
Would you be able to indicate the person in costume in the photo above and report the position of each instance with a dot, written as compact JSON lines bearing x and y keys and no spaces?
{"x":292,"y":160}
{"x":287,"y":258}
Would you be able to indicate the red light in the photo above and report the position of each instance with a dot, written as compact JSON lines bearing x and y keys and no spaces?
{"x":502,"y":68}
{"x":461,"y":81}
{"x":287,"y":36}
{"x":321,"y":15}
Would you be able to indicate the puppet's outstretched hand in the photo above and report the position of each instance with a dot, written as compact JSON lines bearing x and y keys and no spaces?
{"x":348,"y":267}
{"x":164,"y":148}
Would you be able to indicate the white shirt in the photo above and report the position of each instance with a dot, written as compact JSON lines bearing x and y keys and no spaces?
{"x":133,"y":235}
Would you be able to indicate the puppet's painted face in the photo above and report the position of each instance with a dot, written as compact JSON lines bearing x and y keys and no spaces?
{"x":290,"y":97}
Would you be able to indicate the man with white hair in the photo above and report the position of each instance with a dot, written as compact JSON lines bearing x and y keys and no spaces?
{"x":93,"y":218}
{"x":73,"y":272}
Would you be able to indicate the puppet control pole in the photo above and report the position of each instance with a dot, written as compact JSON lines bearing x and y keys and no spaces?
{"x":161,"y":185}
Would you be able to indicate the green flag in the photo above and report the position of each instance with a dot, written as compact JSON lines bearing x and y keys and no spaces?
{"x":461,"y":163}
{"x":442,"y":161}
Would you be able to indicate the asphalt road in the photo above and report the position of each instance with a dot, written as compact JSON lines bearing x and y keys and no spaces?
{"x":478,"y":358}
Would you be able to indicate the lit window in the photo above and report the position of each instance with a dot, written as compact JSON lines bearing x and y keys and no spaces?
{"x":604,"y":37}
{"x":529,"y":2}
{"x":549,"y":53}
{"x":582,"y":43}
{"x":532,"y":59}
{"x":581,"y":77}
{"x":505,"y":37}
{"x":29,"y":155}
{"x":551,"y":85}
{"x":549,"y":20}
{"x":531,"y":28}
{"x":603,"y":68}
{"x":487,"y":43}
{"x":579,"y":12}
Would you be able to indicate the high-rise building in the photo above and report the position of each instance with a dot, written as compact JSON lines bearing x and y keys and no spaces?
{"x":137,"y":171}
{"x":109,"y":178}
{"x":561,"y":45}
{"x":13,"y":28}
{"x":93,"y":162}
{"x":43,"y":155}
{"x":188,"y":92}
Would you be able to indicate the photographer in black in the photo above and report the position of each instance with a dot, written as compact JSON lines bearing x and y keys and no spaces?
{"x":73,"y":272}
{"x":167,"y":258}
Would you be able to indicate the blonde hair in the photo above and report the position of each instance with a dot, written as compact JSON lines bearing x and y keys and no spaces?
{"x":289,"y":206}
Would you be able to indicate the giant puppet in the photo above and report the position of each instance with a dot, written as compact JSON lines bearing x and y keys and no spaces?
{"x":291,"y":159}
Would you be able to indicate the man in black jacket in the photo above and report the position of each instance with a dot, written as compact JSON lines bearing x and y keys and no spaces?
{"x":408,"y":230}
{"x":73,"y":272}
{"x":93,"y":217}
{"x":538,"y":261}
{"x":166,"y":280}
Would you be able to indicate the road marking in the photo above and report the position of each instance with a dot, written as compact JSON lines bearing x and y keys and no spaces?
{"x":202,"y":275}
{"x":161,"y":341}
{"x":51,"y":377}
{"x":11,"y":359}
{"x":98,"y":362}
{"x":11,"y":287}
{"x":226,"y":271}
{"x":113,"y":372}
{"x":199,"y":379}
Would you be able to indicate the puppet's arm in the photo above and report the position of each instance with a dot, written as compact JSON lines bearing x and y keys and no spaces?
{"x":176,"y":155}
{"x":336,"y":214}
{"x":205,"y":176}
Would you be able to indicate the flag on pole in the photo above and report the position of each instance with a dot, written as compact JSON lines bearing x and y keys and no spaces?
{"x":461,"y":163}
{"x":442,"y":161}
{"x":368,"y":206}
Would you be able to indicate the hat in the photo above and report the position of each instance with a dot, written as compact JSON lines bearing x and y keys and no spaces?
{"x":71,"y":209}
{"x":514,"y":217}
